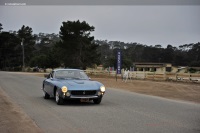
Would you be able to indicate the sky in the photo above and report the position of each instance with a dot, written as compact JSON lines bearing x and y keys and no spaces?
{"x":145,"y":24}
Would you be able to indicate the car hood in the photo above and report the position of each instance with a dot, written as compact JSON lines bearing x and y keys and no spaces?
{"x":81,"y":84}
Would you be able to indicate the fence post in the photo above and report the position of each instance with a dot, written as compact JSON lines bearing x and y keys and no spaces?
{"x":189,"y":76}
{"x":116,"y":75}
{"x":136,"y":75}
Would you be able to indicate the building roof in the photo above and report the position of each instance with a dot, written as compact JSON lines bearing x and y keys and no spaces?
{"x":150,"y":64}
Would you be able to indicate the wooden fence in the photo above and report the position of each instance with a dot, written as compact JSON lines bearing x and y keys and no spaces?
{"x":187,"y":77}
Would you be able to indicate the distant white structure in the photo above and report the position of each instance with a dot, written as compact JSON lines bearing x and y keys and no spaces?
{"x":125,"y":47}
{"x":125,"y":75}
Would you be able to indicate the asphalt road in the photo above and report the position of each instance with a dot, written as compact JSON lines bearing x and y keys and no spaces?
{"x":119,"y":112}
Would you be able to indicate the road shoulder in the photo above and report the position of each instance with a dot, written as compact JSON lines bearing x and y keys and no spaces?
{"x":12,"y":117}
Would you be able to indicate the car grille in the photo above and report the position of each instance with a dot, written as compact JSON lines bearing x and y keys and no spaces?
{"x":88,"y":92}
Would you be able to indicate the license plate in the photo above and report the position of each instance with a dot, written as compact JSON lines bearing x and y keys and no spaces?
{"x":84,"y":100}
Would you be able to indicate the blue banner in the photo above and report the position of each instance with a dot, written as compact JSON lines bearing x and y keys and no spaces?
{"x":119,"y":61}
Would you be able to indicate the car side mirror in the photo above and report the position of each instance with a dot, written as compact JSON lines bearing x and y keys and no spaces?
{"x":46,"y":75}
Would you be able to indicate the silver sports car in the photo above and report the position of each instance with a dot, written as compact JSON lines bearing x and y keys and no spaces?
{"x":72,"y":84}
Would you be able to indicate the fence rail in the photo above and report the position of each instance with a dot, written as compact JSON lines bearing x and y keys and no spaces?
{"x":190,"y":77}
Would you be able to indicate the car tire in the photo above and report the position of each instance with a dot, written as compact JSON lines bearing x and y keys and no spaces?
{"x":59,"y":100}
{"x":97,"y":101}
{"x":46,"y":95}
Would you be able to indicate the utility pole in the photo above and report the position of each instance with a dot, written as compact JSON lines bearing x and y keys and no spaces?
{"x":22,"y":43}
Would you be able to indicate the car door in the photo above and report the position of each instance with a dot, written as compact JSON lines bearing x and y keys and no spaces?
{"x":48,"y":84}
{"x":51,"y":83}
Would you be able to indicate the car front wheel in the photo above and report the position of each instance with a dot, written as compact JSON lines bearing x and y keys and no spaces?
{"x":59,"y":100}
{"x":97,"y":101}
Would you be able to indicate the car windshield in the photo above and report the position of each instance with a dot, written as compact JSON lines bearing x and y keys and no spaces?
{"x":70,"y":74}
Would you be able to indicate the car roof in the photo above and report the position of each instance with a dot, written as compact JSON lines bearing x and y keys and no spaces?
{"x":65,"y":69}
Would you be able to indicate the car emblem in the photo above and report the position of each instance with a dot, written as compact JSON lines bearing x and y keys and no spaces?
{"x":83,"y":92}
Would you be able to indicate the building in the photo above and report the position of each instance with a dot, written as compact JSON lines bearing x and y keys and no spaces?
{"x":153,"y":67}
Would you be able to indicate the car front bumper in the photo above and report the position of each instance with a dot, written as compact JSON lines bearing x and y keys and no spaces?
{"x":69,"y":95}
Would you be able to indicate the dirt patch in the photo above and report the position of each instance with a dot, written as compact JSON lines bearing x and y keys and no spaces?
{"x":171,"y":90}
{"x":13,"y":119}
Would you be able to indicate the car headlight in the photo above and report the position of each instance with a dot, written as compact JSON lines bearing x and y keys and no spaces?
{"x":102,"y":88}
{"x":64,"y":89}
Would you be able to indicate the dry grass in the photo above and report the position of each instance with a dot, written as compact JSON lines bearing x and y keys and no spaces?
{"x":171,"y":90}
